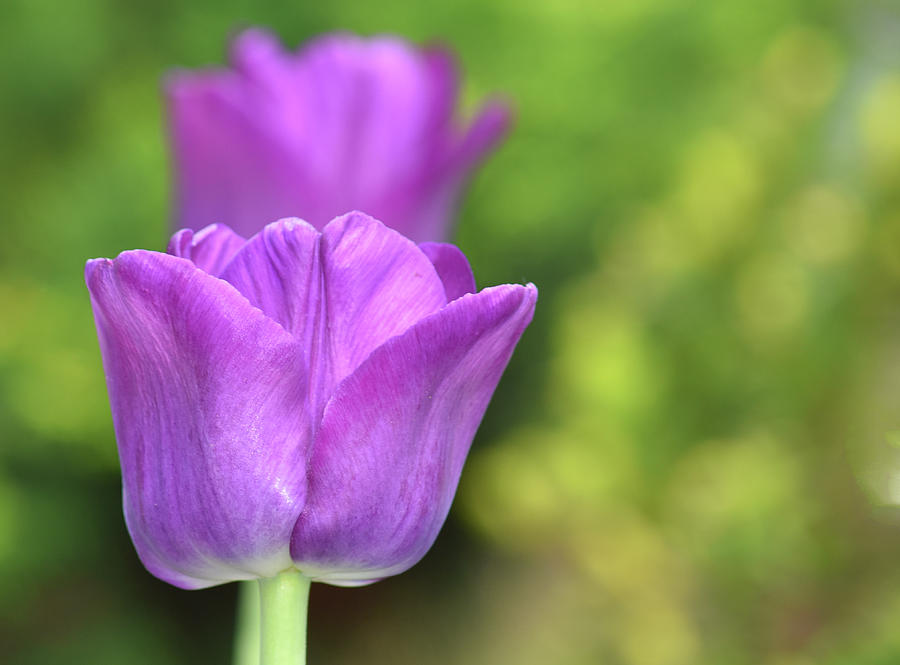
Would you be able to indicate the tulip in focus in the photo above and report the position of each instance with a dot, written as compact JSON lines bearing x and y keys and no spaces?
{"x":344,"y":123}
{"x":301,"y":399}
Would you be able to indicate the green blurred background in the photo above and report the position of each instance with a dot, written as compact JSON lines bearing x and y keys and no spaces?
{"x":695,"y":454}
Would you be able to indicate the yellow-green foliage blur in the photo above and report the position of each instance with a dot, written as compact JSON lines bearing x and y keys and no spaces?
{"x":694,"y":457}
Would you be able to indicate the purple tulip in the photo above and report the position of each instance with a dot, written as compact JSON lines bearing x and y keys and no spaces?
{"x":345,"y":123}
{"x":300,"y":398}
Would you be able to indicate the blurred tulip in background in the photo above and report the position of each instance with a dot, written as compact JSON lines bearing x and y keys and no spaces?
{"x":345,"y":123}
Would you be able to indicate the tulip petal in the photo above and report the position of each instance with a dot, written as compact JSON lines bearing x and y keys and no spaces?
{"x":374,"y":109}
{"x":210,"y":248}
{"x":452,"y":267}
{"x":443,"y":78}
{"x":378,"y":135}
{"x":258,"y":56}
{"x":390,"y":449}
{"x":485,"y":133}
{"x":342,"y":293}
{"x":377,"y":284}
{"x":207,"y":399}
{"x":279,"y":271}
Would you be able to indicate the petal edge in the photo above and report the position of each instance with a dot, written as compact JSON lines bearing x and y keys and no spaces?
{"x":390,"y":450}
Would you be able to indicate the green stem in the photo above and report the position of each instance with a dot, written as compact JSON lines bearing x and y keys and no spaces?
{"x":282,"y":601}
{"x":246,"y":635}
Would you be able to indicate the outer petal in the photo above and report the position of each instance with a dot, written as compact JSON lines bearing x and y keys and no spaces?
{"x":453,"y":268}
{"x":210,"y":248}
{"x":206,"y":395}
{"x":393,"y":440}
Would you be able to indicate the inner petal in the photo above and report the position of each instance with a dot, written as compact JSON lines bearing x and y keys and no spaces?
{"x":377,"y":284}
{"x":210,"y":248}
